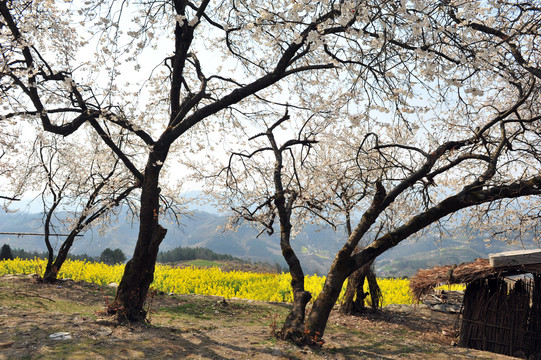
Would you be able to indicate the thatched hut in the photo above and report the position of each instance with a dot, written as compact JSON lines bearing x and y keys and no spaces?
{"x":501,"y":310}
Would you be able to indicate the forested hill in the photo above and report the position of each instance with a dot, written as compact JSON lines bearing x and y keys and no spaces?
{"x":182,"y":253}
{"x":314,"y":246}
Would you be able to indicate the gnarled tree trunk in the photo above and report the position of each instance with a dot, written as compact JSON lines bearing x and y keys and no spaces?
{"x":293,"y":328}
{"x":353,"y":301}
{"x":317,"y":319}
{"x":375,"y":292}
{"x":132,"y":291}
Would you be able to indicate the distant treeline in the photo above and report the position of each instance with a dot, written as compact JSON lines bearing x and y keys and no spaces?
{"x":175,"y":255}
{"x":187,"y":253}
{"x":23,"y":254}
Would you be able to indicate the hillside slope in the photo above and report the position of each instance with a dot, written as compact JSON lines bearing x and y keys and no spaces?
{"x":314,"y":246}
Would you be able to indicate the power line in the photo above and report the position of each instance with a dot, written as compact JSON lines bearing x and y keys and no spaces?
{"x":32,"y":234}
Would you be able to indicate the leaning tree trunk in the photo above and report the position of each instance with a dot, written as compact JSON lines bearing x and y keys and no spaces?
{"x":132,"y":291}
{"x":321,"y":309}
{"x":51,"y":271}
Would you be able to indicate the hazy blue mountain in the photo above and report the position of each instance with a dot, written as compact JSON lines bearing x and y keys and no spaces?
{"x":314,"y":246}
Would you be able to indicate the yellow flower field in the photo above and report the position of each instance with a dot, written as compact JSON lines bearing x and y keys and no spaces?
{"x":204,"y":281}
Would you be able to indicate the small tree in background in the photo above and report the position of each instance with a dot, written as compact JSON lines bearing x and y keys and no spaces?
{"x":119,"y":256}
{"x":6,"y":253}
{"x":77,"y":195}
{"x":111,"y":257}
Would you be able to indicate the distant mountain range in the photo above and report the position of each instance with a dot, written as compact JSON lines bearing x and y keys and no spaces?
{"x":314,"y":246}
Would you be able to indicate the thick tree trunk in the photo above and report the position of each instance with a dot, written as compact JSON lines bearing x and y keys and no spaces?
{"x":321,"y":309}
{"x":353,"y":301}
{"x":317,"y":319}
{"x":138,"y":275}
{"x":132,"y":291}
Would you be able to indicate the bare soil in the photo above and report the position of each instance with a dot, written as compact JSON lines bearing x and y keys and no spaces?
{"x":204,"y":327}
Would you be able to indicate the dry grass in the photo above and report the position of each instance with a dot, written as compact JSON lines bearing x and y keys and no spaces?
{"x":199,"y":327}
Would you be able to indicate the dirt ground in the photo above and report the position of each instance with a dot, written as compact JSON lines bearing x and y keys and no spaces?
{"x":203,"y":327}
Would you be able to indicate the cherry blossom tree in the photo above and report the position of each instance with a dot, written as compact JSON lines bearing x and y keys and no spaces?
{"x":69,"y":81}
{"x":443,"y":105}
{"x":481,"y":151}
{"x":263,"y":187}
{"x":445,"y":94}
{"x":86,"y":192}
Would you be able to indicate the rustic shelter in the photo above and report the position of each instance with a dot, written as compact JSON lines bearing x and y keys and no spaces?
{"x":501,"y":310}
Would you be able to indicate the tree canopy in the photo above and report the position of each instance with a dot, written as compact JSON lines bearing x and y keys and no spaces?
{"x":6,"y":253}
{"x":432,"y":107}
{"x":112,"y":257}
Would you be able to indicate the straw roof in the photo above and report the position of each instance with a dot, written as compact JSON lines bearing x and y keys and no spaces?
{"x":425,"y":280}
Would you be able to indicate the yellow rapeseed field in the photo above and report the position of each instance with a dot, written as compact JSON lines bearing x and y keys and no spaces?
{"x":204,"y":281}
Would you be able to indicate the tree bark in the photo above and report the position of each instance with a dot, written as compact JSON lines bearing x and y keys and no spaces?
{"x":316,"y":322}
{"x":293,"y":328}
{"x":138,"y":275}
{"x":51,"y":272}
{"x":353,"y":301}
{"x":345,"y":263}
{"x":129,"y":302}
{"x":376,"y":296}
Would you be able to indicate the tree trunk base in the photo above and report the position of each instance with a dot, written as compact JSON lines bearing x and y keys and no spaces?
{"x":300,"y":338}
{"x":132,"y":291}
{"x":354,"y":298}
{"x":49,"y":277}
{"x":124,"y":316}
{"x":294,"y":327}
{"x":353,"y":309}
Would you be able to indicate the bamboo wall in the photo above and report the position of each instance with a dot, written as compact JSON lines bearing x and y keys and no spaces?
{"x":503,"y":317}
